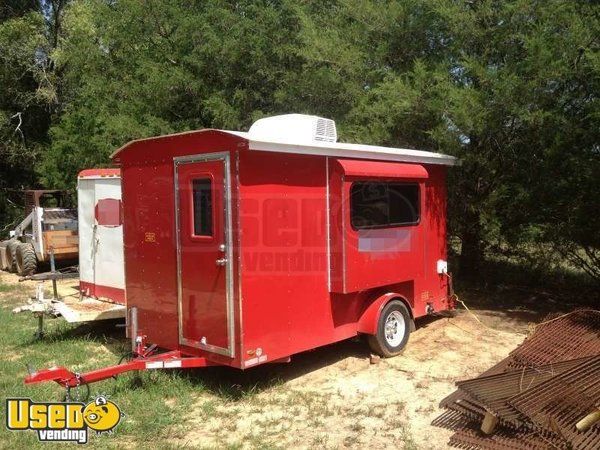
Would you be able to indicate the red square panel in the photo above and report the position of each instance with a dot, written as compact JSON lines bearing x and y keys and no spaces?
{"x":108,"y":212}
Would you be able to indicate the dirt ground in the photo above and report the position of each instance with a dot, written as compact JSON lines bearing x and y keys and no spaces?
{"x":333,"y":397}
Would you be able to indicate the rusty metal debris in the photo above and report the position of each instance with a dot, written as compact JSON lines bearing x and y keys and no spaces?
{"x":535,"y":396}
{"x":562,"y":401}
{"x":556,"y":339}
{"x":467,"y":436}
{"x":494,"y":390}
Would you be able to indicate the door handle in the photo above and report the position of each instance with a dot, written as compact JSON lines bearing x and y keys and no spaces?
{"x":221,"y":261}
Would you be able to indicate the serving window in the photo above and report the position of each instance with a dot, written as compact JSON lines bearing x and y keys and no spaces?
{"x":375,"y":204}
{"x":376,"y":213}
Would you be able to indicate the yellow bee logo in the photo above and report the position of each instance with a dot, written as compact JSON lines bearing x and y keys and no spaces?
{"x":102,"y":415}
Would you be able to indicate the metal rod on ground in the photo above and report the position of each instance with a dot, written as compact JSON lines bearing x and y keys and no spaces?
{"x":588,"y":421}
{"x":39,"y":296}
{"x":53,"y":270}
{"x":40,"y":331}
{"x":488,"y":425}
{"x":133,"y":331}
{"x":50,"y":276}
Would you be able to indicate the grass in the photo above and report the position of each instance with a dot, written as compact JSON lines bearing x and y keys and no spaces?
{"x":507,"y":284}
{"x":155,"y":404}
{"x":6,"y":288}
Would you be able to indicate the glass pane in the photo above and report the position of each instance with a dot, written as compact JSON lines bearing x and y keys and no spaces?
{"x":202,"y":194}
{"x":404,"y":203}
{"x":380,"y":205}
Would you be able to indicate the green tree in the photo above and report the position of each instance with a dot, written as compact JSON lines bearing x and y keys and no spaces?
{"x":28,"y":95}
{"x":510,"y":88}
{"x":23,"y":118}
{"x":134,"y":69}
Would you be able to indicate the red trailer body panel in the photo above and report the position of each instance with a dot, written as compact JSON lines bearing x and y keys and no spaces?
{"x":373,"y":257}
{"x":271,"y":263}
{"x":286,"y":306}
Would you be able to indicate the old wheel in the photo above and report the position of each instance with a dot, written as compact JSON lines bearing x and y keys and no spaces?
{"x":12,"y":255}
{"x":26,"y":260}
{"x":393,"y":330}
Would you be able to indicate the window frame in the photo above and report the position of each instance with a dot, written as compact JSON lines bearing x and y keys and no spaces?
{"x":387,"y":226}
{"x":202,"y":177}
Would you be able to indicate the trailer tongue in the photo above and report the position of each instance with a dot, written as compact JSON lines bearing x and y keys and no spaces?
{"x":168,"y":360}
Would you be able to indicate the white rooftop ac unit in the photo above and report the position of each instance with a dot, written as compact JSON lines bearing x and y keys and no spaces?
{"x":294,"y":129}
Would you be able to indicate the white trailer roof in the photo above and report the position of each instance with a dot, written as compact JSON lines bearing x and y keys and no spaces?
{"x":358,"y":151}
{"x":291,"y":137}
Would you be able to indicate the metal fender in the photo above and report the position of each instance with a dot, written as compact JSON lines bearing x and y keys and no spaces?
{"x":367,"y":323}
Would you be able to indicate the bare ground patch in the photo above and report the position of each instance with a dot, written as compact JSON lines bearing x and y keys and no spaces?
{"x":334,"y":398}
{"x":11,"y":288}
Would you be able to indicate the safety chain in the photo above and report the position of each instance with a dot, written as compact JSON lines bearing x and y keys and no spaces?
{"x":78,"y":380}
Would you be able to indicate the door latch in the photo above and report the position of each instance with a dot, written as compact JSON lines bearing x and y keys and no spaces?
{"x":221,"y":261}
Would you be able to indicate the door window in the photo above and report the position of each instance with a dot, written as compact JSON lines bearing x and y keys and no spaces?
{"x":202,"y":205}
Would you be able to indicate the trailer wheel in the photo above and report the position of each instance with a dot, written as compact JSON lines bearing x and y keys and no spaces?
{"x":393,"y":330}
{"x":26,"y":260}
{"x":11,"y":255}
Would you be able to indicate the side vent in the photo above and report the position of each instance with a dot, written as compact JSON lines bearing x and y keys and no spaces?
{"x":297,"y":129}
{"x":325,"y":130}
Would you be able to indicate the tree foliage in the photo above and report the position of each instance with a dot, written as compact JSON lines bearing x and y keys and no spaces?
{"x":510,"y":87}
{"x":24,"y":119}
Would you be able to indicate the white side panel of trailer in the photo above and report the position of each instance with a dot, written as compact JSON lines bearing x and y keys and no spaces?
{"x":101,"y":263}
{"x":85,"y":210}
{"x":108,"y":263}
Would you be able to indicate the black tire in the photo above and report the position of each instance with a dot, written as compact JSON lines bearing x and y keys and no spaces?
{"x":393,"y":316}
{"x":11,"y":254}
{"x":26,"y":260}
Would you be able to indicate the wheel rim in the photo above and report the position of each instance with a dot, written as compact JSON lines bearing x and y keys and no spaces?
{"x":394,"y":328}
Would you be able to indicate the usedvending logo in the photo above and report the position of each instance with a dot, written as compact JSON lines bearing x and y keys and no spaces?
{"x":62,"y":421}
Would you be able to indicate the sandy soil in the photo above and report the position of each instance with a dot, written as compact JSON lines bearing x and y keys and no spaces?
{"x":26,"y":289}
{"x":333,"y":397}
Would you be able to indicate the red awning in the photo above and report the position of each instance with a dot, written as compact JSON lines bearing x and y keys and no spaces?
{"x":376,"y":169}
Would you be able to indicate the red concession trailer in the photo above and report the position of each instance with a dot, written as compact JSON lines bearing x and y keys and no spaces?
{"x":246,"y":248}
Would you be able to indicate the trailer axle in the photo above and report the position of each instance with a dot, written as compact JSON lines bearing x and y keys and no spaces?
{"x":68,"y":379}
